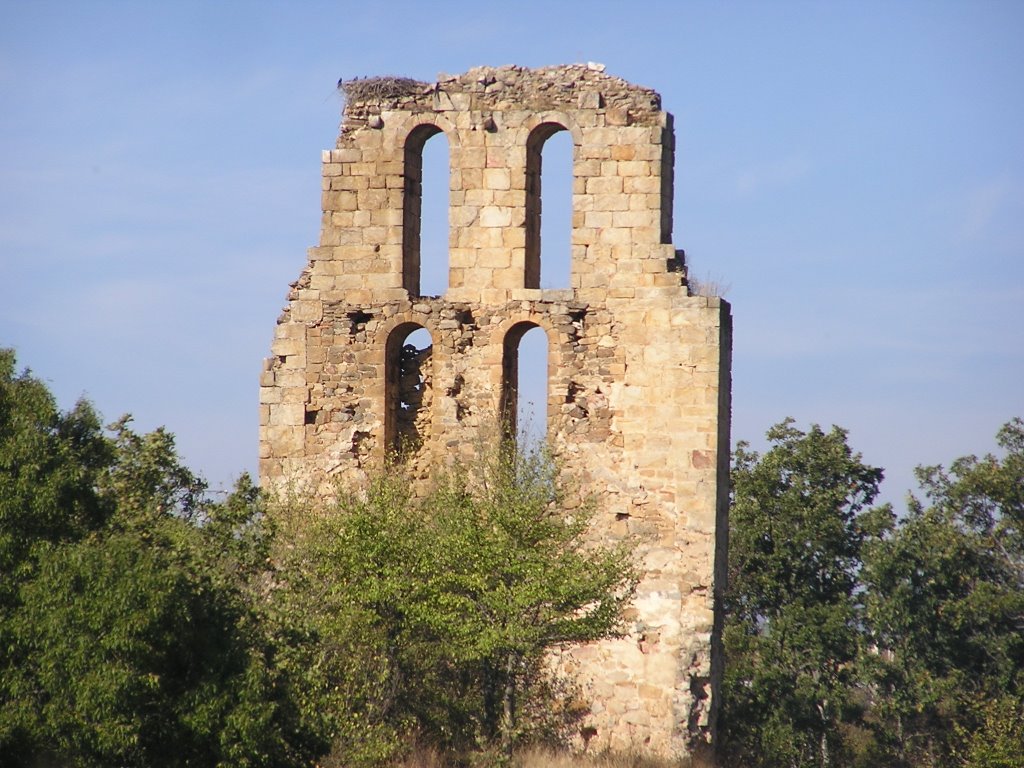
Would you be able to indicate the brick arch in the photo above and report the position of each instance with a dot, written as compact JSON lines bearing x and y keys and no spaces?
{"x":409,"y":125}
{"x":386,"y":331}
{"x":542,"y":320}
{"x":563,"y":119}
{"x":387,"y":327}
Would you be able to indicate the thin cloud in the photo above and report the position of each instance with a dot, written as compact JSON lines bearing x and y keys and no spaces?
{"x":773,"y":175}
{"x":985,"y":203}
{"x":115,"y":310}
{"x":933,"y":329}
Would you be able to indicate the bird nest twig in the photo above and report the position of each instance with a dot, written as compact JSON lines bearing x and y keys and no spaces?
{"x":375,"y":88}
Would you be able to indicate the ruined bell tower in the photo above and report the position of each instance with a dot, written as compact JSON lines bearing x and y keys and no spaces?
{"x":638,"y":390}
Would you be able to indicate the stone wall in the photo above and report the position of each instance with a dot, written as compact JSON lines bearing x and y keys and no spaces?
{"x":639,"y":370}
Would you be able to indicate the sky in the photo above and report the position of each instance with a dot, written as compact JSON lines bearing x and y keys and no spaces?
{"x":851,"y":172}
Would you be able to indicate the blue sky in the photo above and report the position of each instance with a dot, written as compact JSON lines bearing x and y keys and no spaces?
{"x":853,"y":171}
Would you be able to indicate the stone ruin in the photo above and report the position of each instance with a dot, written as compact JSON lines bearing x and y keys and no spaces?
{"x":638,"y":390}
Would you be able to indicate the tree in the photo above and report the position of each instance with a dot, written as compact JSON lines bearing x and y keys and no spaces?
{"x":798,"y":524}
{"x":945,"y":600}
{"x":343,"y":576}
{"x":50,"y":465}
{"x":515,"y":575}
{"x":144,"y":624}
{"x":130,"y":628}
{"x":454,"y":599}
{"x":132,"y":655}
{"x":998,"y":739}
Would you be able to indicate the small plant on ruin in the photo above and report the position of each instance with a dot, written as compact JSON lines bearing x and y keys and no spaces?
{"x":707,"y":286}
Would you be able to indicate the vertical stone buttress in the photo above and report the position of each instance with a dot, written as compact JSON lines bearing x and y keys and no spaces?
{"x":639,"y":370}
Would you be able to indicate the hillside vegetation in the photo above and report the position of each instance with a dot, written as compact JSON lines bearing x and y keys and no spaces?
{"x":147,"y":622}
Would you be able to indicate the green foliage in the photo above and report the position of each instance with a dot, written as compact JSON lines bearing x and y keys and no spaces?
{"x":147,"y":479}
{"x":132,"y":657}
{"x":130,"y":630}
{"x":432,"y":615}
{"x":856,"y":637}
{"x":144,"y":624}
{"x":514,"y":576}
{"x":945,"y":596}
{"x":336,"y":611}
{"x":998,"y":741}
{"x":799,"y":521}
{"x":50,"y":464}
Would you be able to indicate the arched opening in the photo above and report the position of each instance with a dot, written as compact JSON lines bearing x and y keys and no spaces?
{"x":425,"y":212}
{"x":408,"y":387}
{"x":524,"y":385}
{"x":549,"y":157}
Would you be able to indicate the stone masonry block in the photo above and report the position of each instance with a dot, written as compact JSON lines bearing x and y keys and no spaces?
{"x":604,"y":185}
{"x":497,"y":178}
{"x":634,"y":168}
{"x":494,"y":216}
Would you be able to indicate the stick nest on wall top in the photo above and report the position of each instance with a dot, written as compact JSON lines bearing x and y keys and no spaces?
{"x":377,"y":88}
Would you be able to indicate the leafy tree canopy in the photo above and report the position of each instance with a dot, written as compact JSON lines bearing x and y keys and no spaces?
{"x":799,"y":520}
{"x":945,"y":598}
{"x":858,"y":637}
{"x":448,"y":601}
{"x":129,"y":632}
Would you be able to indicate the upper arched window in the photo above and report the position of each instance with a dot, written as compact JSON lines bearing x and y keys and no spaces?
{"x":425,"y":212}
{"x":548,"y":167}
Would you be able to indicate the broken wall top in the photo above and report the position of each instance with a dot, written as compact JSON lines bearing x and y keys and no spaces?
{"x":572,"y":86}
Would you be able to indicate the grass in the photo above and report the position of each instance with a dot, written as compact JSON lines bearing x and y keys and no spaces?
{"x":548,"y":759}
{"x":543,"y":758}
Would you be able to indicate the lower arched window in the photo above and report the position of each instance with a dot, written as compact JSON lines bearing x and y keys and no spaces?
{"x":524,"y":386}
{"x":408,"y":390}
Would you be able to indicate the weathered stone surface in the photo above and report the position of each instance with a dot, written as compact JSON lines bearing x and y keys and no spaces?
{"x":639,"y":370}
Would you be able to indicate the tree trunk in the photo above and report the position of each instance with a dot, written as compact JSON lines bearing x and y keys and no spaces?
{"x":508,"y":702}
{"x":492,"y":722}
{"x":826,"y":760}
